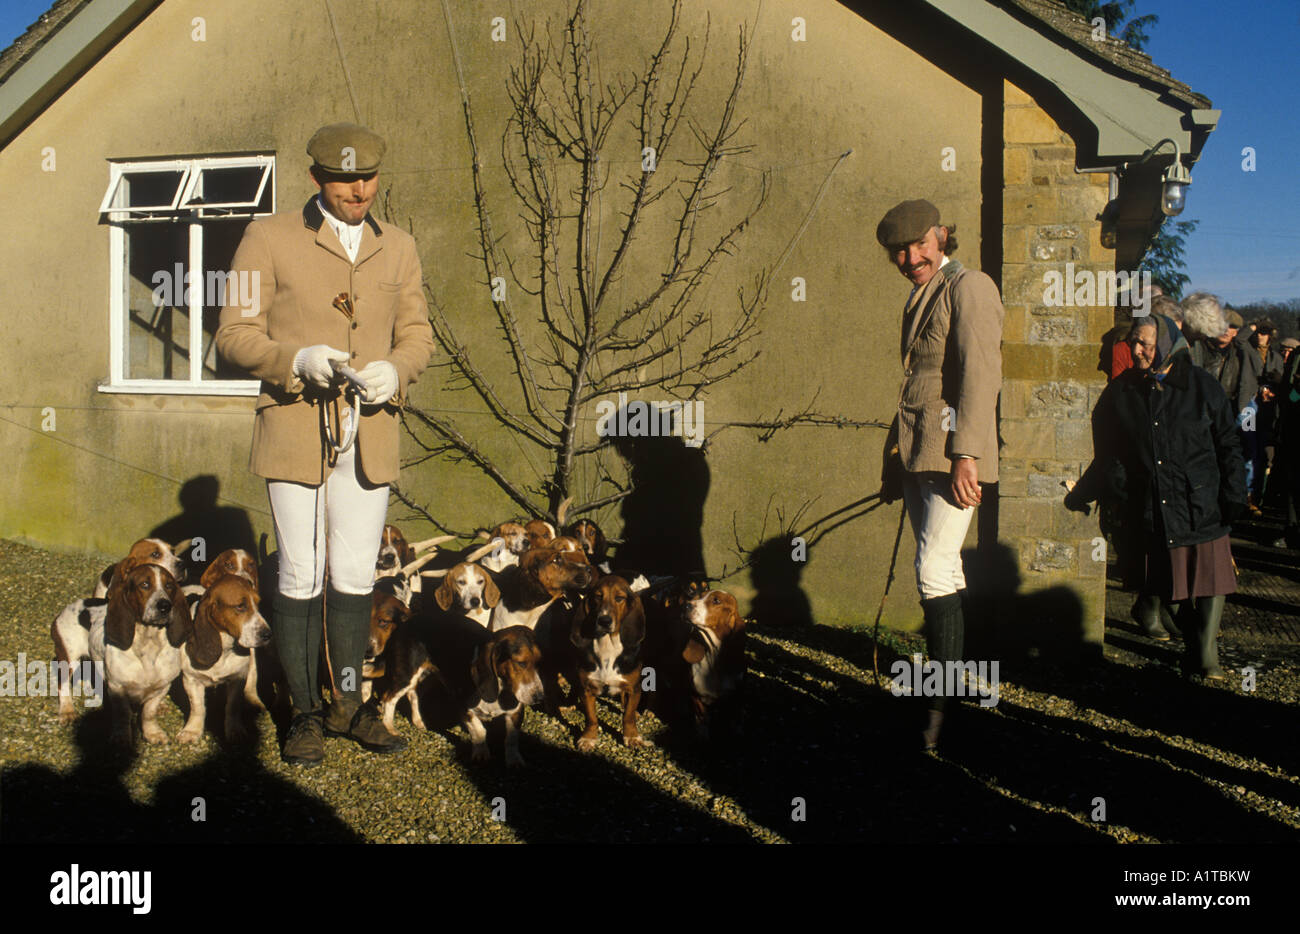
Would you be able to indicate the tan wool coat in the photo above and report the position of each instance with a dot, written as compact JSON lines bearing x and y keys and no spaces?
{"x":952,"y":373}
{"x":301,"y":268}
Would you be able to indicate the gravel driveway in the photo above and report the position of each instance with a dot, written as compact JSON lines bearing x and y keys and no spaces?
{"x":828,"y":755}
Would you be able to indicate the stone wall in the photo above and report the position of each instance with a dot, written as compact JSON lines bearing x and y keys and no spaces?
{"x":1049,"y":359}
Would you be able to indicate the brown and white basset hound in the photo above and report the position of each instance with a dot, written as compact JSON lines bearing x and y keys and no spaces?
{"x":136,"y":633}
{"x":145,"y":551}
{"x":396,"y":661}
{"x":715,"y":652}
{"x":470,"y":591}
{"x":388,"y":611}
{"x":394,"y":550}
{"x":591,"y":538}
{"x":608,"y":635}
{"x":539,"y":532}
{"x":505,"y":679}
{"x":227,"y":627}
{"x":543,"y":576}
{"x":234,"y":561}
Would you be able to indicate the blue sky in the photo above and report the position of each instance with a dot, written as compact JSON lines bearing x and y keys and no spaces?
{"x":1238,"y":53}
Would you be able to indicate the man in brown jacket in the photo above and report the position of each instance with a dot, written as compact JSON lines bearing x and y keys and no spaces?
{"x":946,"y":426}
{"x":335,"y":289}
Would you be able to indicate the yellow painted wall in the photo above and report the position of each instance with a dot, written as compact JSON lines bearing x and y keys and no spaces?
{"x":266,"y":76}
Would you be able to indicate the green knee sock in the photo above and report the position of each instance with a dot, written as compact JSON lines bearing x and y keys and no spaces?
{"x":347,"y":619}
{"x":296,"y":625}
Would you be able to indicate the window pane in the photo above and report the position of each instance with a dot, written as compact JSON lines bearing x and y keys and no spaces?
{"x":157,"y":344}
{"x":146,"y":191}
{"x":219,"y":243}
{"x":231,"y":187}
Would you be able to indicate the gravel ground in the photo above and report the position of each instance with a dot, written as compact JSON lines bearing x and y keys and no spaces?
{"x":828,"y":755}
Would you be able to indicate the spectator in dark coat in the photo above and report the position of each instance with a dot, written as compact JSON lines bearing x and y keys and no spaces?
{"x":1165,"y":444}
{"x":1271,"y":364}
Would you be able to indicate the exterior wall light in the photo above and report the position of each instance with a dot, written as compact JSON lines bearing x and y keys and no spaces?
{"x":1173,"y":195}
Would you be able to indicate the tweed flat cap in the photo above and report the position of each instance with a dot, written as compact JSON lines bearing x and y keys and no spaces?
{"x":1234,"y":320}
{"x":1291,"y":342}
{"x":907,"y":221}
{"x":346,"y":148}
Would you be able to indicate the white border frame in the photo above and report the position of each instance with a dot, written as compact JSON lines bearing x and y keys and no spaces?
{"x":119,"y":322}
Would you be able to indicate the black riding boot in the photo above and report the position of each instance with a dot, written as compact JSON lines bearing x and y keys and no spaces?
{"x":944,"y":632}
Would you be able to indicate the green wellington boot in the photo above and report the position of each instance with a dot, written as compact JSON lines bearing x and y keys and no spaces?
{"x":347,"y":622}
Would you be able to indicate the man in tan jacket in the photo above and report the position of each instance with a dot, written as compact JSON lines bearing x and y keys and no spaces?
{"x":946,"y":426}
{"x":336,"y":290}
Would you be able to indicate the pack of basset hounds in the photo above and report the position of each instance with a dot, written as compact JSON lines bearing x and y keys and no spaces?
{"x":531,"y":618}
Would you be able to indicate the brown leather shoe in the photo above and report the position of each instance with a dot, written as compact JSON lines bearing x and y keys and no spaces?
{"x":304,"y":744}
{"x":361,"y":723}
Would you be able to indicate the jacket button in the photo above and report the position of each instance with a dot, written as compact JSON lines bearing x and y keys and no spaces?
{"x":354,"y":325}
{"x":1155,"y":423}
{"x":354,"y":355}
{"x":1162,"y":502}
{"x":1158,"y":463}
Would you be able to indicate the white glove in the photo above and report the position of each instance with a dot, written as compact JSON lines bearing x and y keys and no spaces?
{"x":313,"y":364}
{"x":380,"y":378}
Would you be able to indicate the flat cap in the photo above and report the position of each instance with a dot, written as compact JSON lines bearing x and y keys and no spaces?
{"x":907,"y":221}
{"x":346,"y":148}
{"x":1291,"y":342}
{"x":1234,"y":320}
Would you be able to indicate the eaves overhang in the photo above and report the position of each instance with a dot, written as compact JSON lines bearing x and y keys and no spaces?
{"x":1127,"y":113}
{"x":77,"y":44}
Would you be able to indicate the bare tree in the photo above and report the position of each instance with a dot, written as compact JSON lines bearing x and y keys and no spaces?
{"x":584,"y":316}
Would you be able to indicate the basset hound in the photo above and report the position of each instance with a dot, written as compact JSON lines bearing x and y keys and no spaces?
{"x":539,"y":532}
{"x":591,"y":538}
{"x":715,"y":652}
{"x":388,"y":612}
{"x":543,"y":576}
{"x":505,"y":677}
{"x":227,"y":627}
{"x":394,"y":551}
{"x":234,"y":561}
{"x":137,"y":634}
{"x":608,"y":635}
{"x":397,"y":660}
{"x":470,"y":591}
{"x":145,"y":551}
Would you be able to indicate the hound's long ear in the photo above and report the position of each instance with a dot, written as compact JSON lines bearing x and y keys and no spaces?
{"x":212,"y":574}
{"x":483,"y":675}
{"x":204,"y":645}
{"x":501,"y":658}
{"x":601,"y":544}
{"x":631,"y":633}
{"x":446,"y":593}
{"x":491,"y":594}
{"x":120,"y":617}
{"x":695,"y":648}
{"x":179,"y":624}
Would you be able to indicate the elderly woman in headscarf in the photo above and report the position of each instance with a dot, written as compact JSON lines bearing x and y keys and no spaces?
{"x":1165,"y":445}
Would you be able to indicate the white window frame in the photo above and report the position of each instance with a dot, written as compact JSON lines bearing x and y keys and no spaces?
{"x":182,"y":207}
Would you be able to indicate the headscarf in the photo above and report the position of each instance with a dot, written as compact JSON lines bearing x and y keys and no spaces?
{"x":1169,"y":341}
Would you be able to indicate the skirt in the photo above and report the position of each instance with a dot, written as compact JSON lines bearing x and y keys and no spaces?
{"x":1203,"y":570}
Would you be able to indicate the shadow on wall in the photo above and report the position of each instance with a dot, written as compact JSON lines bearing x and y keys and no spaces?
{"x":220,"y":527}
{"x":664,"y":514}
{"x":779,"y":601}
{"x":1021,"y":629}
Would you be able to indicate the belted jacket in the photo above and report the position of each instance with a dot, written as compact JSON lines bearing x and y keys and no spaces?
{"x":301,"y":269}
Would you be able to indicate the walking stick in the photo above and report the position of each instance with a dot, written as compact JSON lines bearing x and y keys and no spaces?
{"x":875,"y":632}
